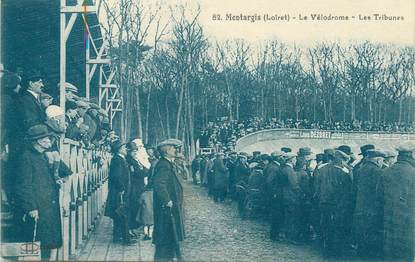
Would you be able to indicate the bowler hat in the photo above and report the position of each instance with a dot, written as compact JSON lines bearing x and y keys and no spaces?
{"x":365,"y":148}
{"x":286,"y":149}
{"x":345,"y":149}
{"x":116,"y":145}
{"x":131,"y":146}
{"x":304,"y":151}
{"x":37,"y":132}
{"x":32,"y":76}
{"x":341,"y":155}
{"x":170,"y":142}
{"x":329,"y":152}
{"x":319,"y":157}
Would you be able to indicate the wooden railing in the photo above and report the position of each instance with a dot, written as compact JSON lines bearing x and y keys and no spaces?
{"x":82,"y":196}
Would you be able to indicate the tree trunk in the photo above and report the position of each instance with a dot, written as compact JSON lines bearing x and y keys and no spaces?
{"x":147,"y":114}
{"x":166,"y":104}
{"x":179,"y":111}
{"x":190,"y":122}
{"x":163,"y":129}
{"x":139,"y":118}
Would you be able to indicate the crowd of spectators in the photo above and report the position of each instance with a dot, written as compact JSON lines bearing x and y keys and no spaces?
{"x":84,"y":121}
{"x":224,"y":132}
{"x":32,"y":172}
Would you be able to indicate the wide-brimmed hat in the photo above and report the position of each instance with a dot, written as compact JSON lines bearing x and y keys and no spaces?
{"x":304,"y":151}
{"x":37,"y":132}
{"x":116,"y":145}
{"x":170,"y":142}
{"x":365,"y":148}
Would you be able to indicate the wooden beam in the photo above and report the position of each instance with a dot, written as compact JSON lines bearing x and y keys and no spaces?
{"x":79,"y":9}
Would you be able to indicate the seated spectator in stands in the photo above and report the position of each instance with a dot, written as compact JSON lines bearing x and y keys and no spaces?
{"x":55,"y":119}
{"x":45,"y":100}
{"x":73,"y":121}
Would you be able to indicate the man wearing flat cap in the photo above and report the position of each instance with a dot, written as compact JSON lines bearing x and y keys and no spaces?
{"x":168,"y":203}
{"x":117,"y":206}
{"x":368,"y":213}
{"x":333,"y":196}
{"x":399,"y":206}
{"x":37,"y":194}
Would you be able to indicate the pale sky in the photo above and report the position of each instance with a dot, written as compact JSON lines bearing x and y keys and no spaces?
{"x":303,"y":32}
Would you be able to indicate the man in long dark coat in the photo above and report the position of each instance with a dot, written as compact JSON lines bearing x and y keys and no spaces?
{"x":399,"y":207}
{"x":137,"y":174}
{"x":274,"y":188}
{"x":291,"y":195}
{"x":368,"y":213}
{"x":37,"y":194}
{"x":117,"y":206}
{"x":168,"y":204}
{"x":231,"y":165}
{"x":221,"y":178}
{"x":333,"y":194}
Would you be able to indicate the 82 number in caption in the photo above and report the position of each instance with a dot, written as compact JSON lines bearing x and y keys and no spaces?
{"x":216,"y":17}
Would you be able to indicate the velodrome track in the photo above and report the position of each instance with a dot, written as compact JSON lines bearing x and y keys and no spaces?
{"x":266,"y":141}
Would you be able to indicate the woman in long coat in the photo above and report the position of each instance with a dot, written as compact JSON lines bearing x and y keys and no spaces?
{"x":137,"y":172}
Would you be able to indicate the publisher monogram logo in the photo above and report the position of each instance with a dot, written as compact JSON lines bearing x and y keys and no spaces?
{"x":29,"y":249}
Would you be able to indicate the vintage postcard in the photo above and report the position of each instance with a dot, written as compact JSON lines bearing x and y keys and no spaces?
{"x":207,"y":130}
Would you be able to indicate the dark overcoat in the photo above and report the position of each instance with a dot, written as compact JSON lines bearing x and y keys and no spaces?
{"x":167,"y":187}
{"x":29,"y":111}
{"x":291,"y":191}
{"x":137,"y":174}
{"x":36,"y":189}
{"x":221,"y":175}
{"x":118,"y":181}
{"x":399,"y":209}
{"x":368,"y":213}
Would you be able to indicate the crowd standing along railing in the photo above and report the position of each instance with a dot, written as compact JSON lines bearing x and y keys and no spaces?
{"x":82,"y":196}
{"x":286,"y":133}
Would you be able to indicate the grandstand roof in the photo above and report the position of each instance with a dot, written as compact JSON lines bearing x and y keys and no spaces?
{"x":30,"y":39}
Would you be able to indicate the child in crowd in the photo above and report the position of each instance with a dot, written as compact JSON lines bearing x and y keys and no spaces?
{"x":145,"y":214}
